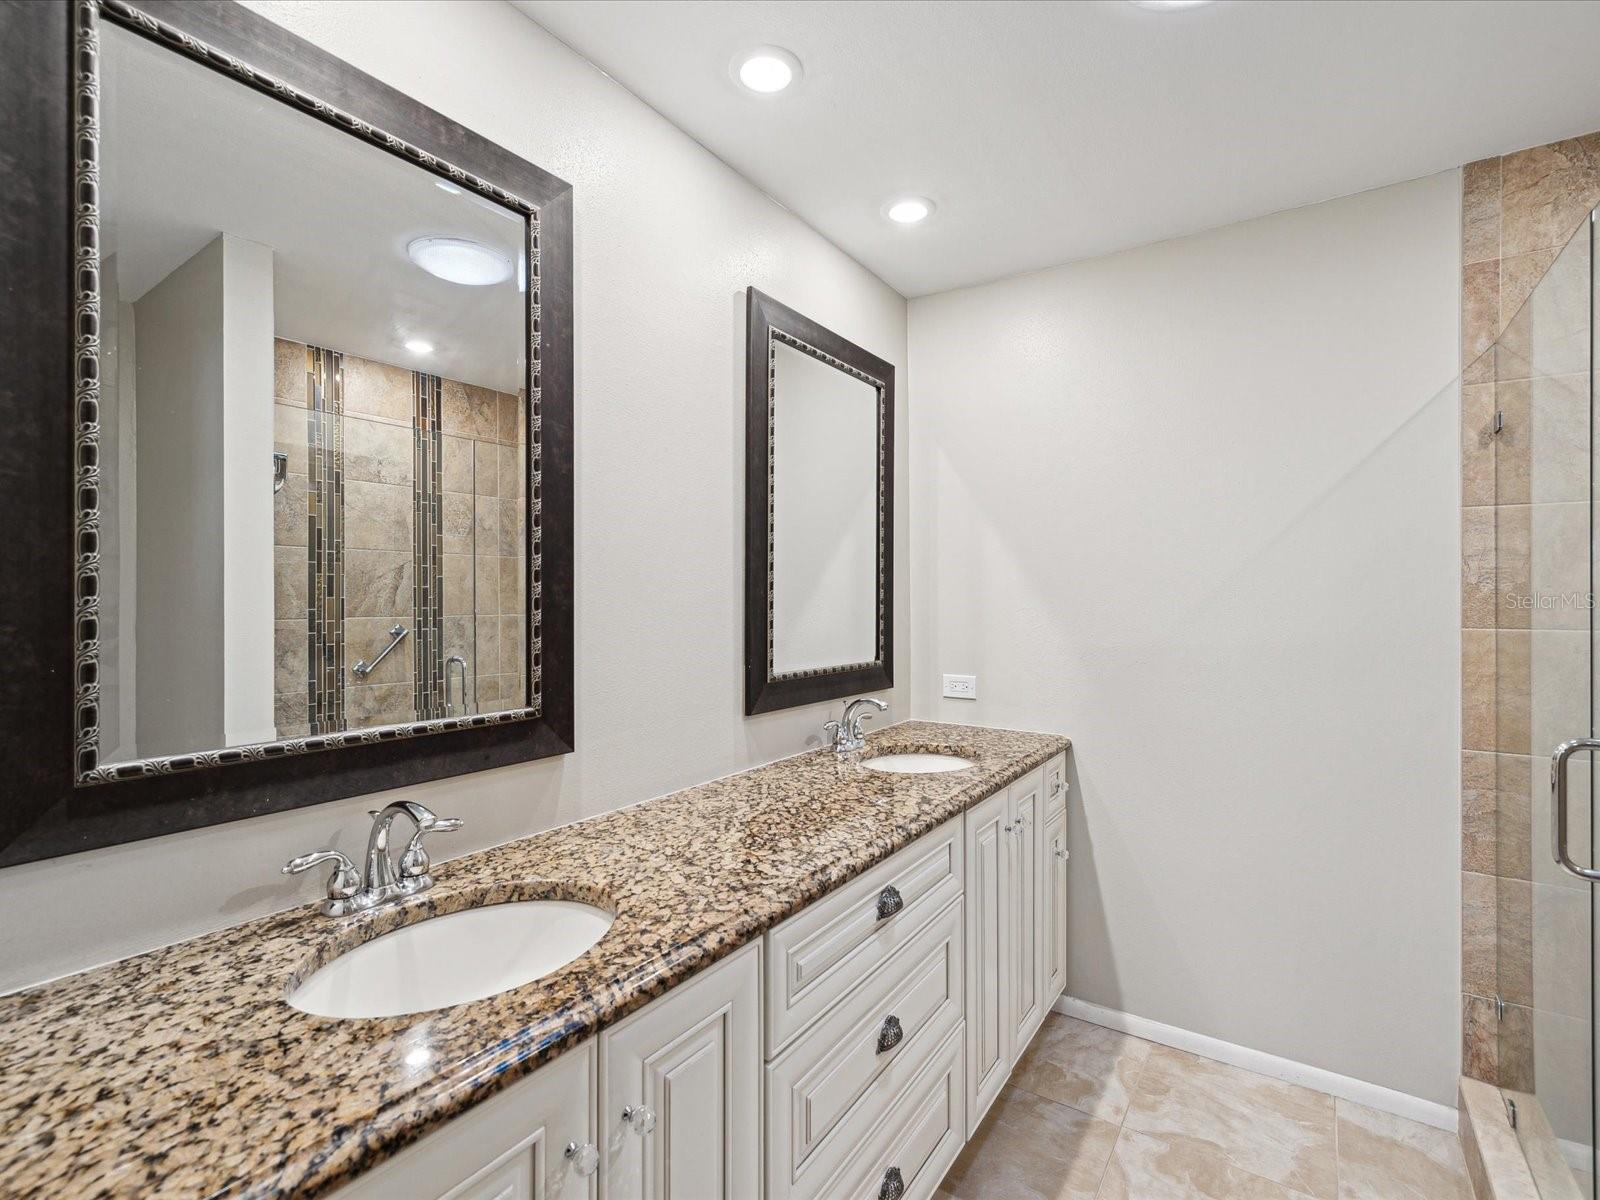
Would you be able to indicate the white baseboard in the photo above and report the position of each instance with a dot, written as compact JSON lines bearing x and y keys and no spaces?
{"x":1357,"y":1091}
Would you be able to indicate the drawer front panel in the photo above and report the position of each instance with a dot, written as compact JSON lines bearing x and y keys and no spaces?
{"x":919,"y":1139}
{"x":1055,"y":784}
{"x":819,"y":954}
{"x":832,"y":1087}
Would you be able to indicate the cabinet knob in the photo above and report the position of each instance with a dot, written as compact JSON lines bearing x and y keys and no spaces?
{"x":890,"y":1035}
{"x":889,"y":902}
{"x":584,"y":1158}
{"x":641,"y":1116}
{"x":894,"y":1185}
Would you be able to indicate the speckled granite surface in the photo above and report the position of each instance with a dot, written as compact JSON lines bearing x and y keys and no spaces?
{"x":183,"y":1073}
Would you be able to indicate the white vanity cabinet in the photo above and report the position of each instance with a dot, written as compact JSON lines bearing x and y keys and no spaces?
{"x":680,"y":1090}
{"x":1016,"y":926}
{"x":513,"y":1146}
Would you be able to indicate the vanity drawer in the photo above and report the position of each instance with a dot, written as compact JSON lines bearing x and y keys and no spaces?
{"x":915,"y":1140}
{"x":835,"y":1084}
{"x":1056,"y":786}
{"x":820,"y":953}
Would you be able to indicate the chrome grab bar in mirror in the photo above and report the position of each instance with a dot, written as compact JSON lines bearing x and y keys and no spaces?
{"x":365,"y":668}
{"x":1558,"y":805}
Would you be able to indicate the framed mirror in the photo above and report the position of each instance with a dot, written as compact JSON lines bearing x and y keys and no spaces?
{"x":311,"y":404}
{"x":819,"y":512}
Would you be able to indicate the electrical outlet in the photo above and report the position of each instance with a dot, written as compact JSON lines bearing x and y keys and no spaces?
{"x":961,"y":687}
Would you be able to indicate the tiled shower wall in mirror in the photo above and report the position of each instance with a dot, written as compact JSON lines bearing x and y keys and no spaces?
{"x":402,"y":506}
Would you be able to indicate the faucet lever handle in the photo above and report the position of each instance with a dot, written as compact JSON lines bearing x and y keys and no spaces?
{"x":342,"y":884}
{"x":415,"y":863}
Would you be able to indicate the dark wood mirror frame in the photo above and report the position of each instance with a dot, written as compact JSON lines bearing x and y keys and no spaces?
{"x":768,"y":321}
{"x":56,"y":799}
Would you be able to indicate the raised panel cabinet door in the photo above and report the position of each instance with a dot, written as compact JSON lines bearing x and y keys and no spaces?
{"x":1053,"y":905}
{"x":989,"y":953}
{"x":680,"y":1091}
{"x":1027,"y":821}
{"x":513,"y":1146}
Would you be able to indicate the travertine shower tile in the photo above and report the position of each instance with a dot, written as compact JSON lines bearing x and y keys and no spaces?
{"x":488,"y":583}
{"x":1477,"y":443}
{"x":509,"y":424}
{"x":1546,"y":191}
{"x":487,"y":634}
{"x":289,"y":374}
{"x":457,"y":584}
{"x":1277,"y":1130}
{"x":1556,"y":679}
{"x":1480,"y":1045}
{"x":1479,"y":960}
{"x":289,"y":512}
{"x":456,"y":523}
{"x":486,"y":519}
{"x":1513,"y":691}
{"x":511,"y":644}
{"x":1515,"y":1050}
{"x":1155,"y":1168}
{"x":1480,"y":211}
{"x":1558,"y":565}
{"x":1504,"y":564}
{"x":377,"y":516}
{"x":1548,"y":334}
{"x":367,"y":705}
{"x":365,"y":638}
{"x":1514,"y":941}
{"x":290,"y":578}
{"x":379,"y":390}
{"x":1385,"y":1157}
{"x":1029,"y":1147}
{"x":1480,"y":310}
{"x":1479,"y":606}
{"x":1519,"y":275}
{"x":290,"y":665}
{"x":469,"y":411}
{"x":512,"y":465}
{"x":512,"y":584}
{"x":377,"y":452}
{"x":289,"y":710}
{"x":456,"y":465}
{"x":1092,"y":1068}
{"x":1479,"y":812}
{"x":377,"y":583}
{"x":512,"y":523}
{"x":1478,"y":689}
{"x":289,"y":434}
{"x":1516,"y":776}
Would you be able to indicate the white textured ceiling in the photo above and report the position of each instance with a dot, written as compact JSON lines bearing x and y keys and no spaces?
{"x":1048,"y":132}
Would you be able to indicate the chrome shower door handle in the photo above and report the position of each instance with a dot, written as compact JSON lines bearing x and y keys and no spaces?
{"x":1558,"y":805}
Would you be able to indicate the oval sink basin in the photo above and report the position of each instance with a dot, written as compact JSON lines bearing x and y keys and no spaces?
{"x":452,"y":959}
{"x":916,"y":764}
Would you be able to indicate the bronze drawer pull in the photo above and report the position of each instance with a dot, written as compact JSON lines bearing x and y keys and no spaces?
{"x":894,"y":1185}
{"x":890,"y":1035}
{"x":889,"y":902}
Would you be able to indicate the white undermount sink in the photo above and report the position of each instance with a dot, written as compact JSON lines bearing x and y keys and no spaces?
{"x":452,"y":959}
{"x":916,"y":764}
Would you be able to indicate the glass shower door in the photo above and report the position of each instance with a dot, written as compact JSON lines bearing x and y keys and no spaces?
{"x":1545,"y":533}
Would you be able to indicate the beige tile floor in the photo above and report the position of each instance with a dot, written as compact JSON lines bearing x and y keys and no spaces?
{"x":1092,"y":1114}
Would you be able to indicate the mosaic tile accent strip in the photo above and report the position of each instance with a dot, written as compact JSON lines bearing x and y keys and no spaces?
{"x":325,"y":540}
{"x":427,"y":491}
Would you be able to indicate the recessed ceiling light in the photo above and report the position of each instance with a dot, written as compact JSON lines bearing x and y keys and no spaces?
{"x":908,"y":210}
{"x":418,"y":346}
{"x":1168,"y":5}
{"x":457,"y":260}
{"x":766,"y":69}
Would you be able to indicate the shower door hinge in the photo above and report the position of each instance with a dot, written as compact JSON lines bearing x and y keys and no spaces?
{"x":1499,"y":1008}
{"x":1499,"y":423}
{"x":1511,"y":1111}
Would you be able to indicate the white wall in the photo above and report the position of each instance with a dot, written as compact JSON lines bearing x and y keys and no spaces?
{"x":667,"y":239}
{"x":179,"y":507}
{"x":1195,"y":506}
{"x":247,"y":440}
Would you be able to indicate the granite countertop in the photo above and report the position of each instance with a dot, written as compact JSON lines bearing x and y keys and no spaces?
{"x":183,"y":1072}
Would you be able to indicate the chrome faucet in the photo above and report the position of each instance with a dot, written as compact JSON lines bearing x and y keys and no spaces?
{"x":845,"y":734}
{"x":384,"y":883}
